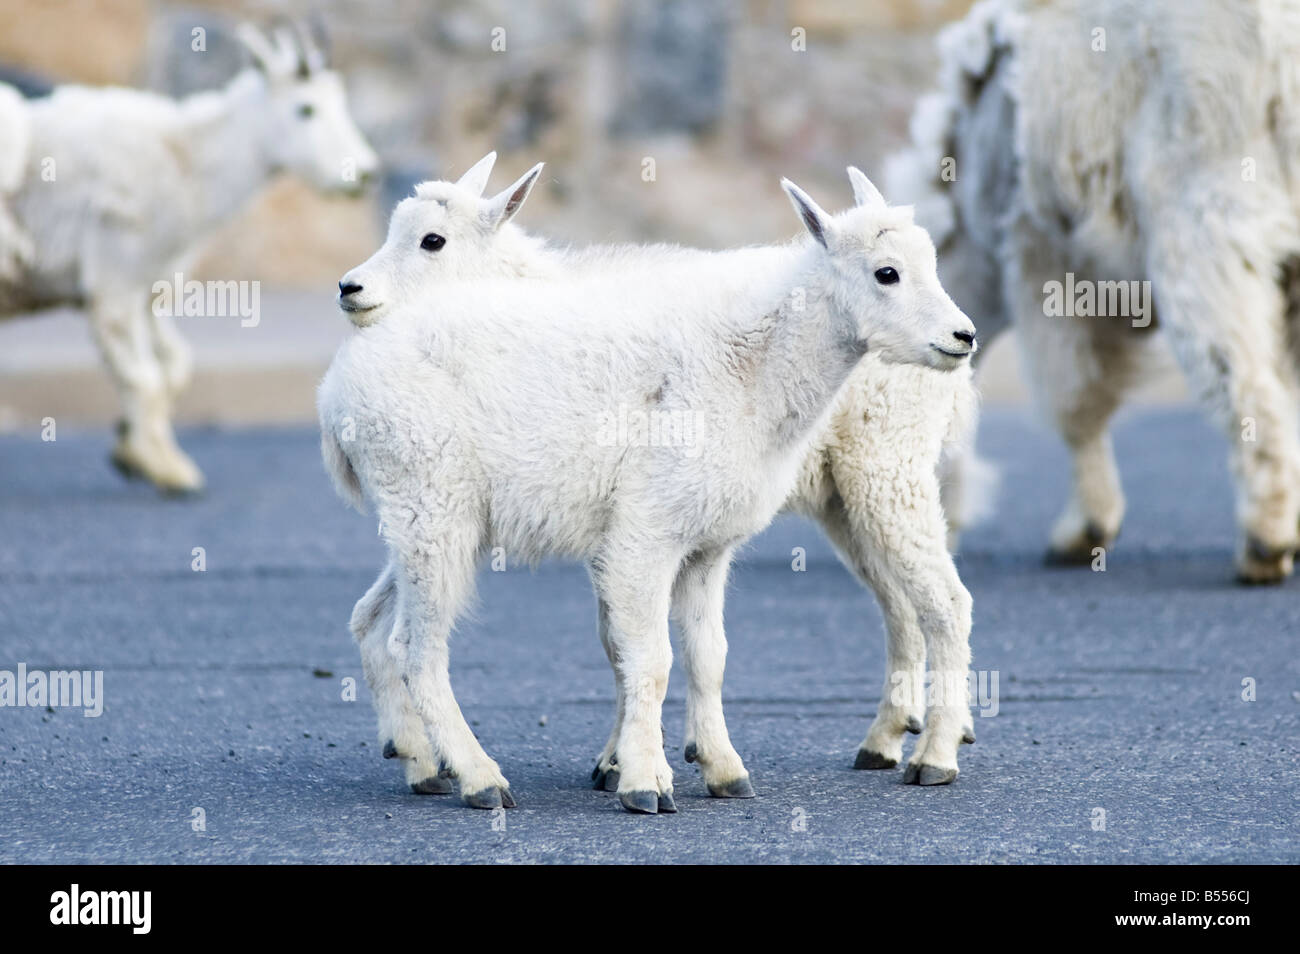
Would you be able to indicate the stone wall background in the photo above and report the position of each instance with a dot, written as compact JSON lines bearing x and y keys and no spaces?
{"x":710,"y":89}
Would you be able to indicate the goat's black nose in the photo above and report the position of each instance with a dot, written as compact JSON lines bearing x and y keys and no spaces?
{"x":348,"y":288}
{"x":965,"y":337}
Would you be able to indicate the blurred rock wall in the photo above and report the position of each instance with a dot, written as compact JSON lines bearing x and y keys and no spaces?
{"x":665,"y":119}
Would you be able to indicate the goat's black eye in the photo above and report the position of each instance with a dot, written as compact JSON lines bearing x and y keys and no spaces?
{"x":432,"y":242}
{"x":887,"y":276}
{"x":306,"y":111}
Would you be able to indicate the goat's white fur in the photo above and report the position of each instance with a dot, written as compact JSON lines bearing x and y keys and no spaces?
{"x":1127,"y":165}
{"x":698,"y":590}
{"x":105,"y":191}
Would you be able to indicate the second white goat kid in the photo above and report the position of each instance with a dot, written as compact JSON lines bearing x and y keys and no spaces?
{"x":764,"y":336}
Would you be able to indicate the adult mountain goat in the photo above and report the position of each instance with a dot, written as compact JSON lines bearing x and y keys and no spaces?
{"x":1099,"y":144}
{"x":118,"y":189}
{"x":421,"y":416}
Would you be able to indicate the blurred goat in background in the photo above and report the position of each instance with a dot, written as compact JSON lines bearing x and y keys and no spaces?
{"x":1093,"y":168}
{"x":105,"y":191}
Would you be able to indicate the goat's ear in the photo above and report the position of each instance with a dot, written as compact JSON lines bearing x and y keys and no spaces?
{"x":814,"y":218}
{"x":476,"y":178}
{"x":502,"y":206}
{"x":864,"y":192}
{"x":258,"y":46}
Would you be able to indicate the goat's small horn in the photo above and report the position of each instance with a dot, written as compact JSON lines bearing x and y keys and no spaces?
{"x":310,"y":57}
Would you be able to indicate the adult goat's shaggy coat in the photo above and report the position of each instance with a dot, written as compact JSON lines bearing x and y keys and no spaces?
{"x":765,"y":335}
{"x":1101,"y":141}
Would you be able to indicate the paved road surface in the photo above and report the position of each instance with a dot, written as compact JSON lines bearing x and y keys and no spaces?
{"x":1119,"y":691}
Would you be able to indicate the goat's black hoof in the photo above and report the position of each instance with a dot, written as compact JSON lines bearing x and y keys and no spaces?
{"x":873,"y":760}
{"x":927,"y":775}
{"x":640,"y":803}
{"x":433,"y":785}
{"x":490,"y":798}
{"x":736,"y":788}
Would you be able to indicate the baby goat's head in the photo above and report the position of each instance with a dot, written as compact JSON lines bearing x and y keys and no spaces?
{"x":307,"y":129}
{"x":883,"y":274}
{"x":447,"y":231}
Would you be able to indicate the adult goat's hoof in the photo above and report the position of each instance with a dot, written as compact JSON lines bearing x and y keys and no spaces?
{"x":1078,"y":551}
{"x":1260,"y":564}
{"x":606,"y":781}
{"x":873,"y":760}
{"x":736,"y":788}
{"x":927,"y":775}
{"x":490,"y":798}
{"x":433,"y":785}
{"x":640,"y":803}
{"x":666,"y":803}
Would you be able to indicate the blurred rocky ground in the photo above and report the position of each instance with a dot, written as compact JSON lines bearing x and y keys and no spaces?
{"x":658,"y":119}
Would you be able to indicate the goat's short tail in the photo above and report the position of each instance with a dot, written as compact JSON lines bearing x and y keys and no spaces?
{"x":340,"y":470}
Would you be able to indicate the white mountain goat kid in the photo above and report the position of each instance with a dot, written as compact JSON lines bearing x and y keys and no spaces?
{"x":870,"y":479}
{"x":119,"y":188}
{"x":1169,"y":158}
{"x":421,"y":417}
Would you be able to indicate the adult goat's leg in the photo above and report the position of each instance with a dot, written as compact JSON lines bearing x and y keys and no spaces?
{"x":698,"y":597}
{"x":1080,"y":369}
{"x":146,"y":444}
{"x":1218,"y":296}
{"x":173,"y":352}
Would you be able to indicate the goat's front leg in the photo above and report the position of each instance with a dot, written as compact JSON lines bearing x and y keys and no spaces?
{"x":698,"y":597}
{"x":434,"y":556}
{"x":401,"y":731}
{"x":146,"y":445}
{"x":637,"y":589}
{"x":887,"y":523}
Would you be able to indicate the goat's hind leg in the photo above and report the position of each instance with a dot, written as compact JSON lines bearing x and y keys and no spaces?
{"x":1218,"y":295}
{"x":401,"y":731}
{"x":605,"y":774}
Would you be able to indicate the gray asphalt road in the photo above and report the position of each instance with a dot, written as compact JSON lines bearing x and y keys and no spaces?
{"x":1119,"y":691}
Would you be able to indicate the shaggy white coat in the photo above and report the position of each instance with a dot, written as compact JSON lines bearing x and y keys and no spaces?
{"x":1169,"y":157}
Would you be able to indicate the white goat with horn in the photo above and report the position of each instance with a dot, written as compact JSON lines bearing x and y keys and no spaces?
{"x":119,"y":188}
